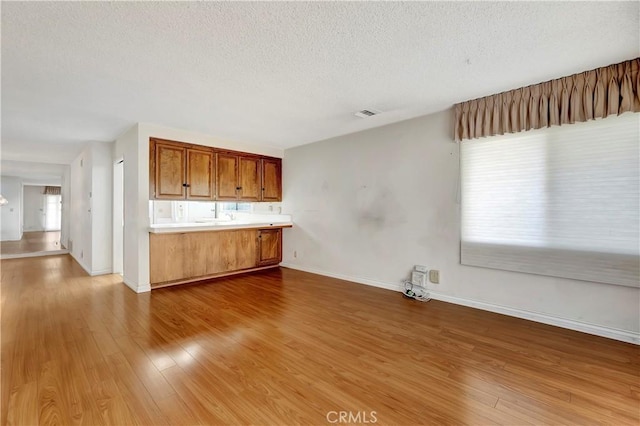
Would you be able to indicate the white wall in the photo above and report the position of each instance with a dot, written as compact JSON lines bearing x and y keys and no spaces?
{"x":11,"y":219}
{"x":370,"y":205}
{"x":101,"y":207}
{"x":90,"y":208}
{"x":33,"y":208}
{"x":133,"y":146}
{"x":80,"y":227}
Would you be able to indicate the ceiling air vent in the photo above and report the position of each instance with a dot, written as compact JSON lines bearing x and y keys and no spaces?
{"x":367,"y":113}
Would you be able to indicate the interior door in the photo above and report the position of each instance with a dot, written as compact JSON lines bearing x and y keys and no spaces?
{"x":118,"y":217}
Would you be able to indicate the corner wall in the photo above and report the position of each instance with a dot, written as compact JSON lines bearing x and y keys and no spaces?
{"x":90,"y":208}
{"x":370,"y":205}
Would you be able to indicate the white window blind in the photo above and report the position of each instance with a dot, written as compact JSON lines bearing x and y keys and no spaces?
{"x":562,"y":201}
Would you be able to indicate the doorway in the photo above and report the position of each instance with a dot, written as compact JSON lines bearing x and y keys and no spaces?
{"x":40,"y":226}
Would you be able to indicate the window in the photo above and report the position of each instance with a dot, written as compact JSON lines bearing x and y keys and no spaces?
{"x":233,"y":207}
{"x":53,"y":212}
{"x":562,"y":201}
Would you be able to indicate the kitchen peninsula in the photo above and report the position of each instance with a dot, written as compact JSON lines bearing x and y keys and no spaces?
{"x":185,"y":247}
{"x":187,"y":252}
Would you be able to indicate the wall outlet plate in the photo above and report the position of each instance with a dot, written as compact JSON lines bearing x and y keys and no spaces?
{"x":434,"y":276}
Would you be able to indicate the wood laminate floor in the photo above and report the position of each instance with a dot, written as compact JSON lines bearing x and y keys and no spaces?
{"x":33,"y":242}
{"x":286,"y":347}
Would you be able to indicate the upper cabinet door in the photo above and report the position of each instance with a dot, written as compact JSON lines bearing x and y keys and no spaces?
{"x":170,"y":171}
{"x":271,"y":179}
{"x":200,"y":176}
{"x":227,"y":176}
{"x":250,"y":179}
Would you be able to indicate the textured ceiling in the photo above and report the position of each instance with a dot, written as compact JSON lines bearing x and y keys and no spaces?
{"x":34,"y":173}
{"x":279,"y":74}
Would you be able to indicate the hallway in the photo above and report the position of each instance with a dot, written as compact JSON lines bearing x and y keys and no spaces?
{"x":44,"y":243}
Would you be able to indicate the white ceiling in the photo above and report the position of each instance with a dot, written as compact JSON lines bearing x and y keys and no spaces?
{"x":34,"y":173}
{"x":278,"y":74}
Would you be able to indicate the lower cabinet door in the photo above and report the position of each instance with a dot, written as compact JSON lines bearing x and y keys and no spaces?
{"x":269,"y":246}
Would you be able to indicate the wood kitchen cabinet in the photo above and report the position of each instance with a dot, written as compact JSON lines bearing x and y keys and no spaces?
{"x":269,"y":246}
{"x":271,"y":179}
{"x":181,"y":172}
{"x":238,"y":178}
{"x":182,"y":257}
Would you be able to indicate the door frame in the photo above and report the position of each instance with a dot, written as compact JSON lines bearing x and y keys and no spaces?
{"x":118,"y":217}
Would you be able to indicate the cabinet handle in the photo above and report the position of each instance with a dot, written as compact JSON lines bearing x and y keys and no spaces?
{"x":263,"y":189}
{"x":186,"y":185}
{"x":238,"y":188}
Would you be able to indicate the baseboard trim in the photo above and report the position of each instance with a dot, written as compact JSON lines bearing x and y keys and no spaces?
{"x":79,"y":262}
{"x":358,"y":280}
{"x":101,"y":272}
{"x":597,"y":330}
{"x":33,"y":254}
{"x":143,"y":289}
{"x":131,"y":285}
{"x":210,"y":277}
{"x":136,"y":288}
{"x":88,"y":270}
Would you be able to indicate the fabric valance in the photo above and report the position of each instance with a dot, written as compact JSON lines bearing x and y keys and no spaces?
{"x":580,"y":97}
{"x":52,"y":190}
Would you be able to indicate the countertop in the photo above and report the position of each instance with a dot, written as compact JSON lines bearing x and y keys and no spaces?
{"x":166,"y":228}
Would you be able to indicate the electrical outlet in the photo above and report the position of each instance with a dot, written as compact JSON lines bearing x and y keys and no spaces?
{"x":295,"y":254}
{"x":434,"y":276}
